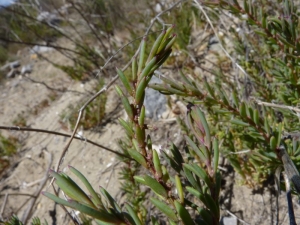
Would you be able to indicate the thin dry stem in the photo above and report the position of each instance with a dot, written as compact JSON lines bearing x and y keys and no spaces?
{"x":242,"y":221}
{"x":161,"y":13}
{"x":297,"y":110}
{"x":41,"y":186}
{"x":217,"y":36}
{"x":3,"y":205}
{"x":21,"y":194}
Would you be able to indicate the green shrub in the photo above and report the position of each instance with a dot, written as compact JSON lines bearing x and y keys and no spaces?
{"x":242,"y":116}
{"x":3,"y":55}
{"x":8,"y":147}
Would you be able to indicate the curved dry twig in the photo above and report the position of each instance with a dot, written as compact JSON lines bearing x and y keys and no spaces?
{"x":161,"y":13}
{"x":217,"y":37}
{"x":3,"y":205}
{"x":21,"y":194}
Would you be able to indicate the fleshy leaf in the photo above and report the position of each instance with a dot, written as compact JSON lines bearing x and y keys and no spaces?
{"x":97,"y":214}
{"x":95,"y":197}
{"x":164,"y":208}
{"x":133,"y":214}
{"x":183,"y":213}
{"x":71,"y":189}
{"x":155,"y":186}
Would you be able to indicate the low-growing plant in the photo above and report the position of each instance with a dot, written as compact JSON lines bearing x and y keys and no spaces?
{"x":93,"y":114}
{"x":8,"y":147}
{"x":20,"y":121}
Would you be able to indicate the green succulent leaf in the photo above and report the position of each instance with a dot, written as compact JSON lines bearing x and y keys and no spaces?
{"x":140,"y":179}
{"x":183,"y":213}
{"x":142,"y":56}
{"x":127,"y":127}
{"x":149,"y":143}
{"x":218,"y":179}
{"x":71,"y":189}
{"x":192,"y":180}
{"x":140,"y":91}
{"x":168,"y":32}
{"x":164,"y":208}
{"x":239,"y":122}
{"x":97,"y":214}
{"x":111,"y":200}
{"x":243,"y":111}
{"x":216,"y":154}
{"x":177,"y":155}
{"x":140,"y":136}
{"x":256,"y":117}
{"x":154,"y":221}
{"x":197,"y":194}
{"x":208,"y":87}
{"x":142,"y":116}
{"x":199,"y":172}
{"x":156,"y":163}
{"x":195,"y":148}
{"x":125,"y":81}
{"x":133,"y":214}
{"x":171,"y":162}
{"x":95,"y":197}
{"x":206,"y":216}
{"x":155,"y":186}
{"x":149,"y":69}
{"x":212,"y":205}
{"x":171,"y":43}
{"x":172,"y":222}
{"x":137,"y":157}
{"x":134,"y":68}
{"x":125,"y":102}
{"x":273,"y":143}
{"x":156,"y":45}
{"x":179,"y":189}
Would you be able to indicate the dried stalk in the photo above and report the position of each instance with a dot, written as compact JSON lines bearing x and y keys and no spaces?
{"x":36,"y":194}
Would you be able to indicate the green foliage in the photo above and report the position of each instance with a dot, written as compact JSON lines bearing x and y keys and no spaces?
{"x":8,"y":147}
{"x":20,"y":24}
{"x":86,"y":61}
{"x":14,"y":220}
{"x":271,"y":72}
{"x":20,"y":121}
{"x":183,"y":18}
{"x":3,"y":55}
{"x":93,"y":114}
{"x":226,"y":115}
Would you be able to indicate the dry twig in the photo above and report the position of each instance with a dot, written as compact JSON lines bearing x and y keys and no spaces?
{"x":36,"y":194}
